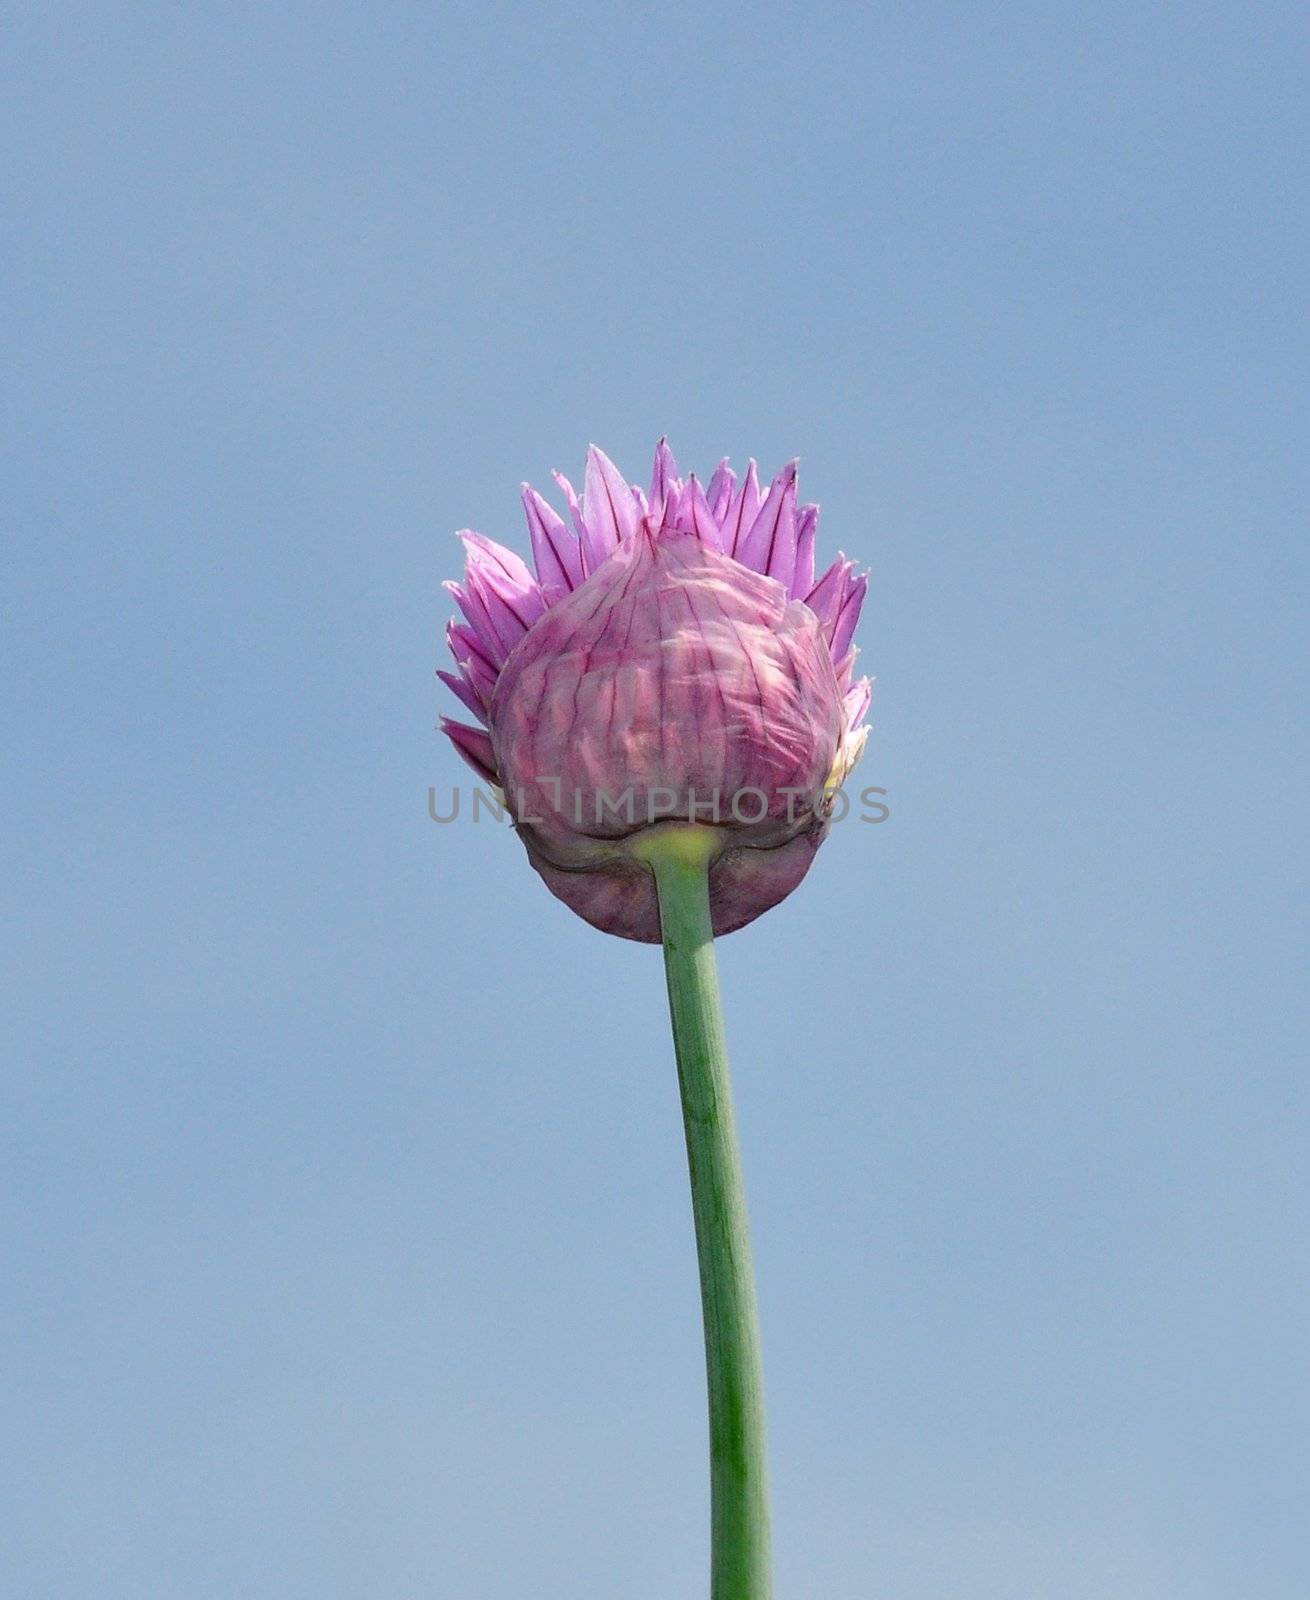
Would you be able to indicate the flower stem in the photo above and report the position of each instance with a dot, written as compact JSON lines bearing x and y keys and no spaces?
{"x":740,"y":1563}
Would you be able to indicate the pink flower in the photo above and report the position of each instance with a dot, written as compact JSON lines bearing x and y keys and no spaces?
{"x":673,"y":660}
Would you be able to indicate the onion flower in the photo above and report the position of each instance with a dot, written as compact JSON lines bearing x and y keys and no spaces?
{"x":674,"y":658}
{"x":668,"y":704}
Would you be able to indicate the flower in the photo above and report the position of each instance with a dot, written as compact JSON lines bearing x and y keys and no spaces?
{"x":674,"y":660}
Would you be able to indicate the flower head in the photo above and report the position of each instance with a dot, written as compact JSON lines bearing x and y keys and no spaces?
{"x":674,"y":660}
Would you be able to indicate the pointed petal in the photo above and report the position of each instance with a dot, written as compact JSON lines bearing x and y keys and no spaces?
{"x":856,"y":702}
{"x":664,"y":476}
{"x":743,"y":511}
{"x":719,"y":493}
{"x":845,"y":670}
{"x":474,"y":745}
{"x":770,"y":545}
{"x":556,"y":551}
{"x":511,"y":594}
{"x":807,"y":526}
{"x":677,"y":509}
{"x":608,"y":509}
{"x":460,"y":686}
{"x":471,"y":661}
{"x":497,"y":558}
{"x":473,"y":604}
{"x":571,"y":500}
{"x":849,"y":615}
{"x":466,"y":646}
{"x":511,"y":614}
{"x":825,"y":598}
{"x":699,"y":516}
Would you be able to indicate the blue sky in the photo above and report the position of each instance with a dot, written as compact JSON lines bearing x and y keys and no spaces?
{"x":345,"y":1213}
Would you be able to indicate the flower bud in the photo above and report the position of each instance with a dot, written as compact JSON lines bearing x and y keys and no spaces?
{"x":673,"y":662}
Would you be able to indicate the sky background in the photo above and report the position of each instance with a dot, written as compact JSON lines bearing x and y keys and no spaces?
{"x":346,"y":1232}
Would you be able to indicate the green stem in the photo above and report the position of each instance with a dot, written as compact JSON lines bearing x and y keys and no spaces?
{"x":740,"y":1564}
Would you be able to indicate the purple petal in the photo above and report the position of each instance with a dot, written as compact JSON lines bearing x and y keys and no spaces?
{"x":770,"y":545}
{"x":459,"y":685}
{"x":743,"y":511}
{"x":555,"y":550}
{"x":807,"y":526}
{"x":699,"y":516}
{"x":472,"y":663}
{"x":511,"y":614}
{"x":473,"y":745}
{"x":664,"y":478}
{"x":501,"y":573}
{"x":469,"y":650}
{"x":856,"y":702}
{"x":575,"y":510}
{"x":497,"y":558}
{"x":688,"y":511}
{"x":849,"y":615}
{"x":825,"y":598}
{"x":473,"y":604}
{"x":719,"y":493}
{"x":608,"y":509}
{"x":677,"y":508}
